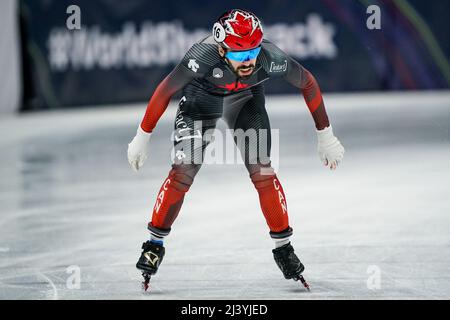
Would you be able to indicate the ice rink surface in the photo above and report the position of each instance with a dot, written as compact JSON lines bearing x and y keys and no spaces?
{"x":377,"y":228}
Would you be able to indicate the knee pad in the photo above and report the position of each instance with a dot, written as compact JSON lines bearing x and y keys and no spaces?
{"x":182,"y":176}
{"x":262,"y":177}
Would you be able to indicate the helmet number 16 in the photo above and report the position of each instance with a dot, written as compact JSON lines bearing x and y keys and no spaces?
{"x":218,"y":32}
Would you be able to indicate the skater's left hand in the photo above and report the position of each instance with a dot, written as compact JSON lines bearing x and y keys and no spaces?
{"x":329,"y":148}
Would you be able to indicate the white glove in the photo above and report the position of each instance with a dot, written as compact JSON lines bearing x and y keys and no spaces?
{"x":138,"y":149}
{"x":329,"y":148}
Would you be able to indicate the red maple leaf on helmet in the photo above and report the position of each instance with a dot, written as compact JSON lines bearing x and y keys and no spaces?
{"x":243,"y":30}
{"x":241,"y":24}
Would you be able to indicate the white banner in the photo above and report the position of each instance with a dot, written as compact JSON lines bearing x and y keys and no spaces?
{"x":164,"y":43}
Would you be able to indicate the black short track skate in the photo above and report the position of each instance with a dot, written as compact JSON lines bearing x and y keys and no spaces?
{"x":289,"y":263}
{"x":149,"y":261}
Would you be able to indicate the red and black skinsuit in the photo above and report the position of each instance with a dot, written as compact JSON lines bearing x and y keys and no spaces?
{"x":212,"y":90}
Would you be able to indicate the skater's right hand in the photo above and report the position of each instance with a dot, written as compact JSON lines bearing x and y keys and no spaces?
{"x":138,"y":149}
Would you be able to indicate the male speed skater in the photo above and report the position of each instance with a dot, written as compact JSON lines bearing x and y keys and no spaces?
{"x":222,"y":76}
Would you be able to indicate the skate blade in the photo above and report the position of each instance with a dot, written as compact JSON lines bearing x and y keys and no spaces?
{"x":303,"y":281}
{"x":146,"y":282}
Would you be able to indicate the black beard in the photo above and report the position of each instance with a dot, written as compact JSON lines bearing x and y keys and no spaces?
{"x":236,"y":71}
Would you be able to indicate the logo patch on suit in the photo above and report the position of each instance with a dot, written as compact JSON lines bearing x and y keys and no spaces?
{"x":217,"y":73}
{"x":276,"y":67}
{"x":234,"y":86}
{"x":193,"y":65}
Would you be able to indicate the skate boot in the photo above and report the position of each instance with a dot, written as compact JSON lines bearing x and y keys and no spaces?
{"x":149,"y":261}
{"x":289,"y":263}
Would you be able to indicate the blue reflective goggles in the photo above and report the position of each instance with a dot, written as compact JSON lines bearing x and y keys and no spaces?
{"x":242,"y":56}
